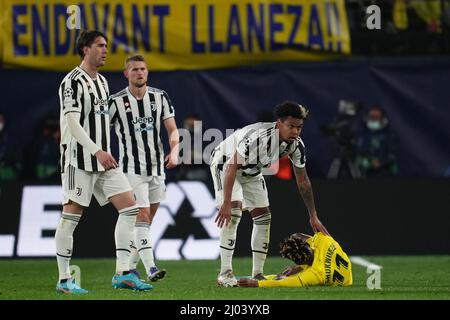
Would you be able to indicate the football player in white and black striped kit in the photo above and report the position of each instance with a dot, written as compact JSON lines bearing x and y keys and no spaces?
{"x":87,"y":166}
{"x":237,"y":166}
{"x":137,"y":113}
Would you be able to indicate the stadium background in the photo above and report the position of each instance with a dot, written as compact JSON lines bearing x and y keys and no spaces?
{"x":404,"y":67}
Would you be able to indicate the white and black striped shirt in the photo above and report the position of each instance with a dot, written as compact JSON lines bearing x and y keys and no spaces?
{"x":258,"y":144}
{"x":138,"y":126}
{"x":87,"y":98}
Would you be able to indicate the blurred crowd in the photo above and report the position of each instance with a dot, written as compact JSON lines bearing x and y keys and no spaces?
{"x":407,"y":27}
{"x":398,"y":15}
{"x":38,"y":161}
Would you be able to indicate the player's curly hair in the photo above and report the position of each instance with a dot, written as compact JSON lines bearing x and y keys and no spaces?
{"x":290,"y":108}
{"x":295,"y":249}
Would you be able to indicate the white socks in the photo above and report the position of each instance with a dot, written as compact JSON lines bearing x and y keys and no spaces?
{"x":143,"y":245}
{"x":123,"y":235}
{"x":64,"y":242}
{"x":228,"y":240}
{"x":260,"y":241}
{"x":134,"y":257}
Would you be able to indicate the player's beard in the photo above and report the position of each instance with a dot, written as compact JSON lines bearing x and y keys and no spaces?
{"x":139,"y":84}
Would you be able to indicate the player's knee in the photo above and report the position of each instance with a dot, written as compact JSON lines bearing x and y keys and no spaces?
{"x":257,"y":212}
{"x":73,"y":207}
{"x":236,"y":205}
{"x":123,"y":200}
{"x":144,"y":215}
{"x":236,"y":215}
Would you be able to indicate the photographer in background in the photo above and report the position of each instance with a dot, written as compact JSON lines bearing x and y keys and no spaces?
{"x":342,"y":131}
{"x":193,"y":169}
{"x":375,"y":144}
{"x":46,"y":151}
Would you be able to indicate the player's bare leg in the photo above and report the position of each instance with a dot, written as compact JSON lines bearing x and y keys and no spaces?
{"x":260,"y":240}
{"x":226,"y":277}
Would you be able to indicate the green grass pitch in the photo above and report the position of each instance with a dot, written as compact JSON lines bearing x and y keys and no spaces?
{"x":406,"y":277}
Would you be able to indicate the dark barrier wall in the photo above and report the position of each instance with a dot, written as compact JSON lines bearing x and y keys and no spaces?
{"x":365,"y":217}
{"x":370,"y":217}
{"x":414,"y":92}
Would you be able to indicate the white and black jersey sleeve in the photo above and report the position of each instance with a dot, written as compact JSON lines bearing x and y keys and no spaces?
{"x":298,"y":156}
{"x":168,"y":110}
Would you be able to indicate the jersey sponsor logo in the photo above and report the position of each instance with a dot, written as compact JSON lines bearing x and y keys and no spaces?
{"x":100,"y":112}
{"x":142,"y":120}
{"x":144,"y":128}
{"x":101,"y":102}
{"x":143,"y":124}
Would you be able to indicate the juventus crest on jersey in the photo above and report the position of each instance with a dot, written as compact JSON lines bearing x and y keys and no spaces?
{"x":138,"y":126}
{"x":87,"y":98}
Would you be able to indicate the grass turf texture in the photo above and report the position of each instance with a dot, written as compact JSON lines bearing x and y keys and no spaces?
{"x":410,"y":277}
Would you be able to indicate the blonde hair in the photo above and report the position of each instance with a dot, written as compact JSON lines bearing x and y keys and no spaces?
{"x":136,"y":57}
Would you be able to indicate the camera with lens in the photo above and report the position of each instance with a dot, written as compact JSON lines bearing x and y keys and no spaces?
{"x":341,"y":129}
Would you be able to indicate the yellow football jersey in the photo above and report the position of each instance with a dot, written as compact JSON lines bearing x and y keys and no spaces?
{"x":331,"y":266}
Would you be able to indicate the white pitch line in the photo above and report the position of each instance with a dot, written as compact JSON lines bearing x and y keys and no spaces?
{"x":365,"y":263}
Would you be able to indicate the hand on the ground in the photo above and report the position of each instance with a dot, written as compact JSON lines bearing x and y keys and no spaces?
{"x":244,"y":282}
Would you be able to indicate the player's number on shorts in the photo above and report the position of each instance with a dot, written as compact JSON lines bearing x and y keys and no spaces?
{"x":337,"y":277}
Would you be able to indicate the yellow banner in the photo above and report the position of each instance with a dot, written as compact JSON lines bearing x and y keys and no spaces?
{"x":174,"y":34}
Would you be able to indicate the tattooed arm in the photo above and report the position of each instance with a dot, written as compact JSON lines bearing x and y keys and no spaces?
{"x":306,"y":191}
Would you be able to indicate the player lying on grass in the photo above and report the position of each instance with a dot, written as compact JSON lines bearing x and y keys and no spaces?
{"x":319,"y":260}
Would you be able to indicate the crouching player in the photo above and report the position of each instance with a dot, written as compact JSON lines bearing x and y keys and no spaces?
{"x":319,"y":260}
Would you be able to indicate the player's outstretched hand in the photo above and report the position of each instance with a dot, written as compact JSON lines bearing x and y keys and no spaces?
{"x":317,"y":225}
{"x":247,"y":282}
{"x":224,"y":215}
{"x":106,"y":160}
{"x":171,"y":161}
